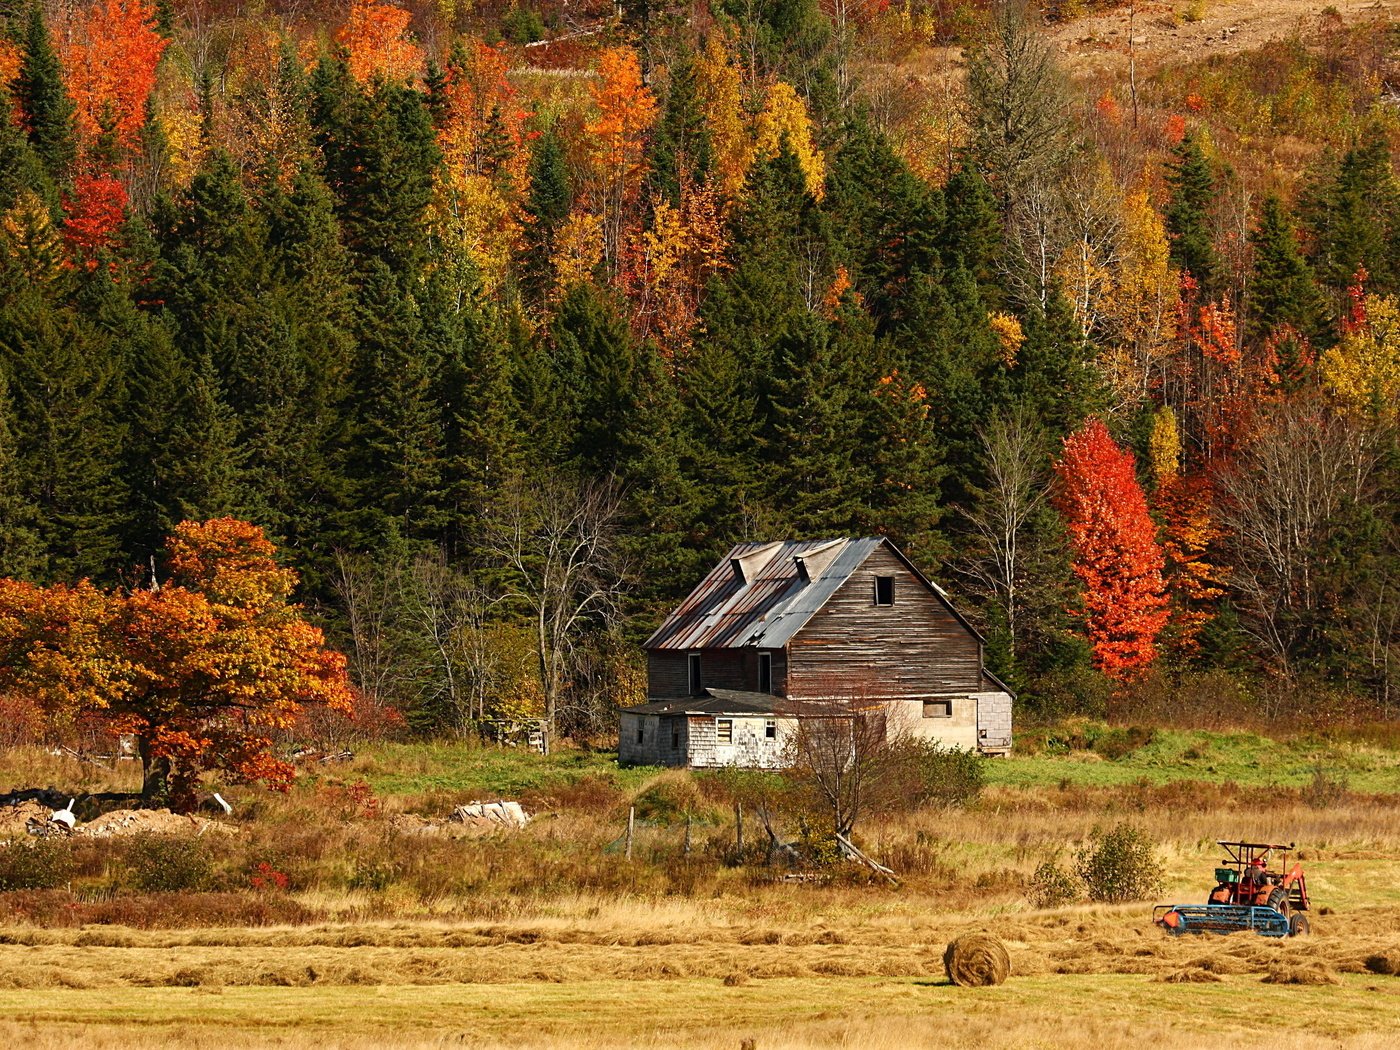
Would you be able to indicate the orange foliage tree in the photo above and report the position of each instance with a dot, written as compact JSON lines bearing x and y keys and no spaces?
{"x":626,"y":111}
{"x":201,"y":669}
{"x":95,"y":213}
{"x":1116,"y":554}
{"x":109,"y":55}
{"x":376,"y":42}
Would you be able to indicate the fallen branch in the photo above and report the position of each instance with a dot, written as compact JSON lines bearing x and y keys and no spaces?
{"x":873,"y":865}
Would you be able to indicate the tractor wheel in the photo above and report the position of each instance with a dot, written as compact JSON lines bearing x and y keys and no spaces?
{"x":1278,"y":900}
{"x":1298,"y":926}
{"x":1221,"y":894}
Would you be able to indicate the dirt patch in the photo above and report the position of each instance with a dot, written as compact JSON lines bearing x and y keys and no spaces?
{"x":123,"y":822}
{"x":1098,"y":44}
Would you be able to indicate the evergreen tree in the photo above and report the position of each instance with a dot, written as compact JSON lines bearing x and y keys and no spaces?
{"x":47,"y":111}
{"x":971,"y":237}
{"x":20,"y":552}
{"x":818,"y":471}
{"x":680,"y":146}
{"x":547,"y":205}
{"x":1188,"y":218}
{"x":1353,"y":215}
{"x":67,"y":393}
{"x":888,"y":221}
{"x":20,"y":169}
{"x":1281,"y":290}
{"x":399,"y":464}
{"x":380,"y":151}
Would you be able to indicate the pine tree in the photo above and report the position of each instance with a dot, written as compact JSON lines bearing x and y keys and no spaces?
{"x":818,"y":473}
{"x":380,"y":151}
{"x":1281,"y":291}
{"x":888,"y":221}
{"x":971,"y":237}
{"x":20,"y":553}
{"x":1192,"y":184}
{"x":43,"y":100}
{"x":20,"y":169}
{"x":67,"y":392}
{"x":680,"y":147}
{"x":1353,"y":215}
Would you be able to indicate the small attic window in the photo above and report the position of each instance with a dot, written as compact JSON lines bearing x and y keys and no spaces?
{"x":696,"y":683}
{"x":884,"y":590}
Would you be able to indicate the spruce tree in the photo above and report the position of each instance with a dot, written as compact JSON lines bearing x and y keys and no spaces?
{"x":47,"y":111}
{"x":680,"y":146}
{"x":887,"y":221}
{"x":1188,"y":218}
{"x":20,"y":552}
{"x":1281,"y":289}
{"x":971,"y":237}
{"x":1353,"y":216}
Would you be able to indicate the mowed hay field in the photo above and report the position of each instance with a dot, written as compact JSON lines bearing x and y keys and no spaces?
{"x":676,"y":949}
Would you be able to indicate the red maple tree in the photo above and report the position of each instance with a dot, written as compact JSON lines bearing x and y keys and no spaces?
{"x":110,"y":54}
{"x":95,"y":213}
{"x":202,"y":669}
{"x":1116,"y":554}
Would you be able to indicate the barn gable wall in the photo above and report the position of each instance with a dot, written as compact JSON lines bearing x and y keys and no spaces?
{"x":913,"y":648}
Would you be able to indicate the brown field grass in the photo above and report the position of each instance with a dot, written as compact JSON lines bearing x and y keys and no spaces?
{"x":549,"y":937}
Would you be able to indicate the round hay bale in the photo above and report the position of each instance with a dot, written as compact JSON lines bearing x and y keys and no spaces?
{"x":976,"y":960}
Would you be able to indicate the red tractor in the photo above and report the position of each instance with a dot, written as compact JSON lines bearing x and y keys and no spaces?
{"x":1248,"y":896}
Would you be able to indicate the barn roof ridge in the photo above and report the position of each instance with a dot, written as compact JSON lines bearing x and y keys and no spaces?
{"x":761,"y":593}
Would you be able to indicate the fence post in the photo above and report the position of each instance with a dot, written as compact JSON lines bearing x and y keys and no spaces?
{"x":738,"y":827}
{"x":631,"y":818}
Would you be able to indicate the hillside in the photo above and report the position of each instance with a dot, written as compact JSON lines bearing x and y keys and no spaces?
{"x":413,"y":287}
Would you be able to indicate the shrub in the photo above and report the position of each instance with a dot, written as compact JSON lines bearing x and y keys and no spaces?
{"x":40,"y":864}
{"x":945,"y":777}
{"x":1326,"y":789}
{"x":1119,"y":865}
{"x":1120,"y":743}
{"x":162,"y":864}
{"x":522,"y":26}
{"x":1052,"y":886}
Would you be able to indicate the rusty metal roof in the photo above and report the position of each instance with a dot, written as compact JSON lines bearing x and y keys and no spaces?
{"x":760,"y":594}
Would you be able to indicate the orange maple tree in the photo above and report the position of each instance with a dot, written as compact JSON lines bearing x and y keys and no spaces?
{"x":95,"y":213}
{"x":1116,"y":554}
{"x":109,"y":55}
{"x":201,"y":669}
{"x":376,"y":42}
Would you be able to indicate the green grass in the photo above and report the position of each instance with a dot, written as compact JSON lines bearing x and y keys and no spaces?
{"x":1244,"y":758}
{"x":402,"y":769}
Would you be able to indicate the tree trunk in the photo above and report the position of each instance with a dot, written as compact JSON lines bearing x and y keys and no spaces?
{"x":155,"y":773}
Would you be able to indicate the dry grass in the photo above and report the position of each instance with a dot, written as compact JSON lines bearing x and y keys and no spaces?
{"x":550,"y":938}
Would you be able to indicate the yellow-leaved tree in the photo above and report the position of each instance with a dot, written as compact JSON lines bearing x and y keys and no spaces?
{"x":784,"y":119}
{"x":721,"y":97}
{"x":1363,"y":370}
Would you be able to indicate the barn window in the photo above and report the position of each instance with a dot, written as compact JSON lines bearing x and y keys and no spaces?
{"x":770,"y":730}
{"x":724,"y":730}
{"x":884,"y":590}
{"x":675,"y":740}
{"x":694,"y":666}
{"x":765,"y":672}
{"x":639,"y":732}
{"x":938,"y":709}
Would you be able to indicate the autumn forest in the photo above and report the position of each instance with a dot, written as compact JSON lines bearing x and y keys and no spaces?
{"x":502,"y":322}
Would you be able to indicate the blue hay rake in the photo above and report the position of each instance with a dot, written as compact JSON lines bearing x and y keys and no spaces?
{"x":1177,"y":919}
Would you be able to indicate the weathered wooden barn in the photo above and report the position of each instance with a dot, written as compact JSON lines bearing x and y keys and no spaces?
{"x":780,"y":630}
